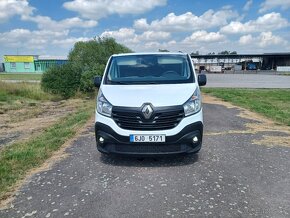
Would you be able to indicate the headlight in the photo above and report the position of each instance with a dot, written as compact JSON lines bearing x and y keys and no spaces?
{"x":193,"y":105}
{"x":103,"y":105}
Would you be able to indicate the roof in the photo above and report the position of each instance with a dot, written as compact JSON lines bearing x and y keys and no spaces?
{"x":43,"y":58}
{"x":21,"y":55}
{"x":286,"y":54}
{"x":150,"y":53}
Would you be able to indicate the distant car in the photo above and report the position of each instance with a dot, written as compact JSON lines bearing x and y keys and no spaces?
{"x":149,"y":104}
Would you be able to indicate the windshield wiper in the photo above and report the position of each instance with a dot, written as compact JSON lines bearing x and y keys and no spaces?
{"x":133,"y":82}
{"x":144,"y":82}
{"x":119,"y":82}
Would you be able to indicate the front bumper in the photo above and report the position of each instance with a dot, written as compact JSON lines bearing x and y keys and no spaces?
{"x":175,"y":144}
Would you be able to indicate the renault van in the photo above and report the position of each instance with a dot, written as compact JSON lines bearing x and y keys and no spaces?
{"x":149,"y":104}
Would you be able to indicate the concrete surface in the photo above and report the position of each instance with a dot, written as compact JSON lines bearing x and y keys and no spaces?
{"x":231,"y":177}
{"x":247,"y":81}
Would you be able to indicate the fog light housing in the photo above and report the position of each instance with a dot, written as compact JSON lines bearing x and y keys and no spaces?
{"x":195,"y":139}
{"x":101,"y":139}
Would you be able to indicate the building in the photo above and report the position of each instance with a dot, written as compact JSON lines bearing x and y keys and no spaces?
{"x":42,"y":63}
{"x":19,"y":63}
{"x":266,"y":61}
{"x":30,"y":63}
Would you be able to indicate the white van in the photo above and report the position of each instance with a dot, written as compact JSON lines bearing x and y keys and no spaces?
{"x":149,"y":104}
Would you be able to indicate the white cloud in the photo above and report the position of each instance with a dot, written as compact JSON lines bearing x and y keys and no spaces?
{"x":200,"y":40}
{"x":39,"y":41}
{"x":123,"y":33}
{"x":248,"y":5}
{"x":69,"y":42}
{"x":267,"y":22}
{"x":50,"y":36}
{"x":143,"y":41}
{"x":152,"y":35}
{"x":129,"y":36}
{"x":246,"y":39}
{"x":10,"y":8}
{"x":268,"y":39}
{"x":188,"y":21}
{"x":203,"y":36}
{"x":96,"y":9}
{"x":141,"y":24}
{"x":155,"y":40}
{"x":47,"y":23}
{"x":265,"y":39}
{"x":269,"y":4}
{"x":24,"y":38}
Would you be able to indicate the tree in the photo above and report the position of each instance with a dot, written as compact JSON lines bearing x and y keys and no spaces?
{"x":195,"y":53}
{"x":86,"y":60}
{"x":224,"y":52}
{"x":96,"y":51}
{"x":163,"y":50}
{"x":227,"y":52}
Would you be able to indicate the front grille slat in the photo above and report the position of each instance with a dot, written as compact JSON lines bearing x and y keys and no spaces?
{"x":161,"y":119}
{"x":169,"y":116}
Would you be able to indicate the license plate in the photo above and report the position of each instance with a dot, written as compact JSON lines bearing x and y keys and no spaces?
{"x":147,"y":138}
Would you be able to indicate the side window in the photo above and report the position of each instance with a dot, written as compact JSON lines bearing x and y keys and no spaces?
{"x":12,"y":65}
{"x":113,"y":74}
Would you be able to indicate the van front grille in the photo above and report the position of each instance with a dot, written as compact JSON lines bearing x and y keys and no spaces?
{"x":162,"y":118}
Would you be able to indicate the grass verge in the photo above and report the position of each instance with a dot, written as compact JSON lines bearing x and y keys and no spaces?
{"x":272,"y":103}
{"x":23,"y":90}
{"x":16,"y":160}
{"x":20,"y":76}
{"x":14,"y":96}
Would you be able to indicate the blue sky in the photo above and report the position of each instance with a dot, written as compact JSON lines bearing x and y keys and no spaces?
{"x":52,"y":27}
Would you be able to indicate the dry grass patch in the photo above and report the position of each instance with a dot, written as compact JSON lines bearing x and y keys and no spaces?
{"x":261,"y":124}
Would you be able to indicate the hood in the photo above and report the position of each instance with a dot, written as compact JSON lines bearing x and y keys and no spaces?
{"x":157,"y":95}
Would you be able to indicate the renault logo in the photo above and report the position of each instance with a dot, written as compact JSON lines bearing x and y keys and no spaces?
{"x":147,"y":111}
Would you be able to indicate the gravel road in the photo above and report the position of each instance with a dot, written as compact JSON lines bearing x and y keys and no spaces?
{"x":233,"y":176}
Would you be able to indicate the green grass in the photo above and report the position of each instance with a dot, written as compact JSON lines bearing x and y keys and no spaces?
{"x":272,"y":103}
{"x":16,"y":160}
{"x":15,"y":95}
{"x":23,"y":90}
{"x":20,"y":76}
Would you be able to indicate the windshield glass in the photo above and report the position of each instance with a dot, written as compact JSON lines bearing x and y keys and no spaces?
{"x":149,"y":69}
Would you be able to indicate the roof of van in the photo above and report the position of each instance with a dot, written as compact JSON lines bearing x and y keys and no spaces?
{"x":149,"y":53}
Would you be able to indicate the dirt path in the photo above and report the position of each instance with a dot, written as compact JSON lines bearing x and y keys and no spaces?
{"x":31,"y":119}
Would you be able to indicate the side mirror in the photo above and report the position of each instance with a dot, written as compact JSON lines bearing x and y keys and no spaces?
{"x":98,"y":81}
{"x":201,"y":80}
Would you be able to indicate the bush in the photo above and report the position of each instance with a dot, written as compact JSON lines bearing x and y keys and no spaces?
{"x":87,"y":82}
{"x":86,"y":60}
{"x":63,"y":80}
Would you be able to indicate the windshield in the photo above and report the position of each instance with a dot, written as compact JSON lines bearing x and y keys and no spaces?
{"x":149,"y":69}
